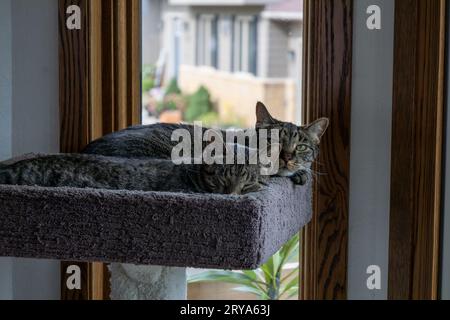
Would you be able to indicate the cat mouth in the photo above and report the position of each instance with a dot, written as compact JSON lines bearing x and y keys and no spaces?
{"x":287,"y":169}
{"x":290,"y":166}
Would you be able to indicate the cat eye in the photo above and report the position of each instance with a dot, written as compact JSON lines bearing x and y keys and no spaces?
{"x":302,"y":148}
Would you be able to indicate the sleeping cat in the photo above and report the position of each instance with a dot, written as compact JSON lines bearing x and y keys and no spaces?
{"x":90,"y":171}
{"x":299,"y":145}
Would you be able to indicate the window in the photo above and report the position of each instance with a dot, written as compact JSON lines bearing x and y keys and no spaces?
{"x":253,"y":46}
{"x":245,"y":44}
{"x":207,"y":41}
{"x":223,"y":61}
{"x":214,"y":44}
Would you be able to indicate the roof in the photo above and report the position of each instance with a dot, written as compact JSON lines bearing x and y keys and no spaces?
{"x":284,"y":10}
{"x":286,"y":6}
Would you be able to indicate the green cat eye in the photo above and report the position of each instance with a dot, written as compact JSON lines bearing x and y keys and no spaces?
{"x":302,"y":148}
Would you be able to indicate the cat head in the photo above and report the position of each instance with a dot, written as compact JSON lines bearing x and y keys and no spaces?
{"x":299,"y":144}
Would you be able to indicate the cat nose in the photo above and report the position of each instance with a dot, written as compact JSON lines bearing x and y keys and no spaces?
{"x":286,"y":156}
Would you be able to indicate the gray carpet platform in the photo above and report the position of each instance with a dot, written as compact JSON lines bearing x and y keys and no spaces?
{"x":151,"y":228}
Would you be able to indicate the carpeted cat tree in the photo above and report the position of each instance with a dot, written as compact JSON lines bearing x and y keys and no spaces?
{"x":151,"y":237}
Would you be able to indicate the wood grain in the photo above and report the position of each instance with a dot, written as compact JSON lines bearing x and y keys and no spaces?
{"x":417,"y":134}
{"x":327,"y":93}
{"x":99,"y":93}
{"x":73,"y":75}
{"x":134,"y":58}
{"x":120,"y":63}
{"x":107,"y":47}
{"x":96,"y":69}
{"x":74,"y":101}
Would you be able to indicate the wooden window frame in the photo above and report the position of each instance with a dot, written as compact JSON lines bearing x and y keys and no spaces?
{"x":100,"y":92}
{"x":93,"y":102}
{"x":417,"y":149}
{"x":327,"y":80}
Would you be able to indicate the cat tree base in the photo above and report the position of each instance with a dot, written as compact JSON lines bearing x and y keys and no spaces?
{"x":133,"y":282}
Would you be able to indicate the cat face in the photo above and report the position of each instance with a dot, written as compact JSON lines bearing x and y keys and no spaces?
{"x":299,"y":145}
{"x":230,"y":179}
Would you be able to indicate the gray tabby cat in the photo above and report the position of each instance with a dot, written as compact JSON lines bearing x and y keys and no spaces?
{"x":90,"y":171}
{"x":299,"y":145}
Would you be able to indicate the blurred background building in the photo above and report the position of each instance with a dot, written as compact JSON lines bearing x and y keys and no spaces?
{"x":237,"y":51}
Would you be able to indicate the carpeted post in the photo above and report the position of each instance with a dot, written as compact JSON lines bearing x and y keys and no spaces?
{"x":132,"y":282}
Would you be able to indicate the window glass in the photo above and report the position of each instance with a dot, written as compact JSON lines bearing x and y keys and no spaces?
{"x":212,"y":63}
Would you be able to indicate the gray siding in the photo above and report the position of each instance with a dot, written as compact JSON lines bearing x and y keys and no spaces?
{"x":277,"y":50}
{"x":151,"y":30}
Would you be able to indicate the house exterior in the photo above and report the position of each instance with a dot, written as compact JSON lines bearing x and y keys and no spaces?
{"x":241,"y":50}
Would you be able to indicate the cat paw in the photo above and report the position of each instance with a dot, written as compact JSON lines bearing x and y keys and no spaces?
{"x":300,"y":178}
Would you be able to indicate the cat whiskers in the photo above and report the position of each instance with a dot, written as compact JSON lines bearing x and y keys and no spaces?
{"x":313,"y":173}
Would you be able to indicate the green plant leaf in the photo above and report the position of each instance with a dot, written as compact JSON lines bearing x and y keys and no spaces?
{"x":291,"y":284}
{"x":286,"y":277}
{"x":267,"y":270}
{"x":250,"y":274}
{"x":267,"y":281}
{"x":291,"y":293}
{"x":288,"y":250}
{"x":259,"y":293}
{"x":233,"y":277}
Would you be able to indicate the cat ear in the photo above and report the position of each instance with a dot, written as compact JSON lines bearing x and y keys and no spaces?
{"x":317,"y":129}
{"x":262,"y":114}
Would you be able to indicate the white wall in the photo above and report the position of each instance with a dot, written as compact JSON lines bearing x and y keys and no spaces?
{"x":35,"y":76}
{"x":371,"y":149}
{"x":5,"y":123}
{"x":33,"y":124}
{"x":5,"y":79}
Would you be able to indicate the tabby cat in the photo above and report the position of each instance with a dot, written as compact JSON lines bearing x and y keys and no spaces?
{"x":91,"y":171}
{"x":299,"y":145}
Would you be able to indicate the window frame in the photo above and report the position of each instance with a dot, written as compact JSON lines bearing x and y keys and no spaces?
{"x":96,"y":45}
{"x":327,"y":79}
{"x":99,"y":92}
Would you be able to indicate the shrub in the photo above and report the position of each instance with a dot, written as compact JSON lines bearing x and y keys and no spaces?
{"x":148,"y":71}
{"x":198,"y":105}
{"x":166,"y":106}
{"x":148,"y":84}
{"x":148,"y":77}
{"x":210,"y":119}
{"x":173,"y":88}
{"x":177,"y":99}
